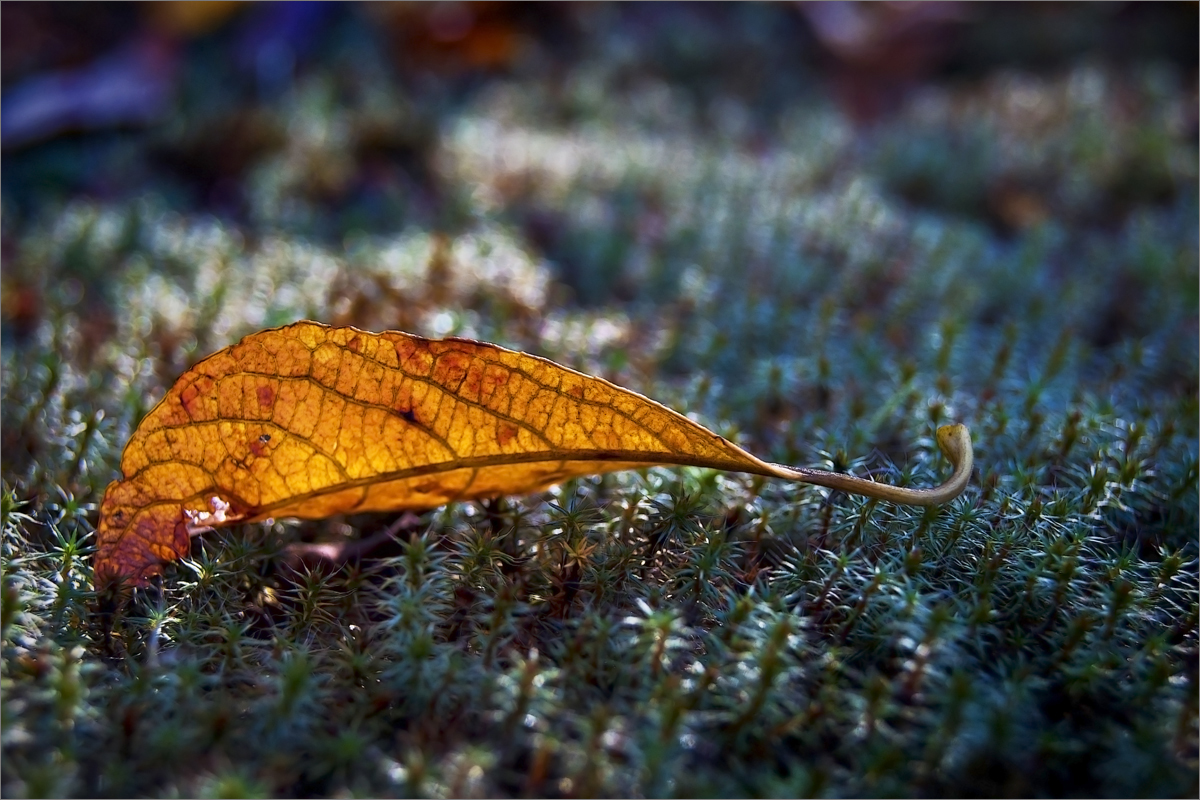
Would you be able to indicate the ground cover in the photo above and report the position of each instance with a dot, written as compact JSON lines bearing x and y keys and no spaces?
{"x":681,"y":201}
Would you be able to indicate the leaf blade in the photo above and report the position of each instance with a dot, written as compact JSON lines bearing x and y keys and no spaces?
{"x":309,"y":420}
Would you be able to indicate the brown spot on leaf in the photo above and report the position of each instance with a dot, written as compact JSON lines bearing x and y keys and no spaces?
{"x":412,"y":354}
{"x":266,"y":396}
{"x":183,"y":537}
{"x":505,"y":434}
{"x":472,"y":382}
{"x":189,"y":398}
{"x":494,"y":379}
{"x":450,"y":368}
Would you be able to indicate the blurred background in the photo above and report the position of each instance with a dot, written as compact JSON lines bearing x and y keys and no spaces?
{"x":341,"y":122}
{"x":820,"y":229}
{"x":180,"y":174}
{"x":197,"y":96}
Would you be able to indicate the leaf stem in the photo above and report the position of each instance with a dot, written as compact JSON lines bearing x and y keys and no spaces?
{"x":954,"y":442}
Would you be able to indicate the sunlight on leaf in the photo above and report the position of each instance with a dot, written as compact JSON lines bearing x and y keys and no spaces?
{"x":309,"y":421}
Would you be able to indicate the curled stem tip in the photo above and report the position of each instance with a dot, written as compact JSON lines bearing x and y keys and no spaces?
{"x":953,"y":440}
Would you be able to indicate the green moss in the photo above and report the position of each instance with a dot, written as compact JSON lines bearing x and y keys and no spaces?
{"x":827,"y":300}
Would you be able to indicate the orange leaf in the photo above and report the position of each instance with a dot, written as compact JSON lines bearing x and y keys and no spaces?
{"x":309,"y":421}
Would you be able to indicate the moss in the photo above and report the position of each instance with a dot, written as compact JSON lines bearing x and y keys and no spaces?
{"x":823,"y":293}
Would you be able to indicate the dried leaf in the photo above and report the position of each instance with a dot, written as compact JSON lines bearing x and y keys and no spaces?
{"x":309,"y":421}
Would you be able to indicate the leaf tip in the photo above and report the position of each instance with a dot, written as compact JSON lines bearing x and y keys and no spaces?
{"x":133,"y":544}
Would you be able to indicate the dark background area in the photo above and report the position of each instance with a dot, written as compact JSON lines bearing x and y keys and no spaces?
{"x":170,"y":97}
{"x":822,"y":230}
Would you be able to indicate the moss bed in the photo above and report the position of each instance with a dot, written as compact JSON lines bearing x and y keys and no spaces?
{"x":684,"y":201}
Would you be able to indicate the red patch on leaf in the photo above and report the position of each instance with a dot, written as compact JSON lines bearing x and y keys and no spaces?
{"x":471,"y":383}
{"x":183,"y":537}
{"x":266,"y":396}
{"x":404,"y":399}
{"x":493,"y":379}
{"x":505,"y":434}
{"x":188,"y":399}
{"x":450,"y":369}
{"x":413,"y":356}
